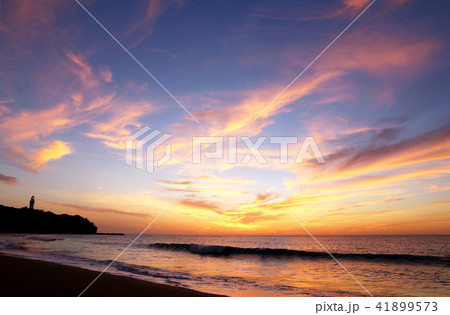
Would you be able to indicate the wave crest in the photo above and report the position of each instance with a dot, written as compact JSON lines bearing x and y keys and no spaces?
{"x":218,"y":250}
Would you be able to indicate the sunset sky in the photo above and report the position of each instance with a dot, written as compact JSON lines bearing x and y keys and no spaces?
{"x":376,"y":103}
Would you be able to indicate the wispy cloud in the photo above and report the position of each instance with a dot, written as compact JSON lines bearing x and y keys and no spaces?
{"x":101,"y":210}
{"x":426,"y":147}
{"x":164,"y":51}
{"x":438,"y":203}
{"x":151,"y":10}
{"x":317,"y":10}
{"x":8,"y":180}
{"x":200,"y":204}
{"x":55,"y":151}
{"x":84,"y":102}
{"x":436,"y":188}
{"x":117,"y":124}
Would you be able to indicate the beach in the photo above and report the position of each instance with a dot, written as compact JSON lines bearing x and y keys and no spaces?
{"x":161,"y":265}
{"x":34,"y":278}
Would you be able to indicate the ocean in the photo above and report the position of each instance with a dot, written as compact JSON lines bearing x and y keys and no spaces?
{"x":257,"y":265}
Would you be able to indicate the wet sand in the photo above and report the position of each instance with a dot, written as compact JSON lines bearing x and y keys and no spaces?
{"x":34,"y":278}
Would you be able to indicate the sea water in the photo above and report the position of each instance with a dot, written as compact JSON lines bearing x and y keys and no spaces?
{"x":257,"y":265}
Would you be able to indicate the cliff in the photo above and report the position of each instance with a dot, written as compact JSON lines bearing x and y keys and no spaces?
{"x":24,"y":220}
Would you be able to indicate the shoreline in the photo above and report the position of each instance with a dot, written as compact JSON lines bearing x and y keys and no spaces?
{"x":23,"y":277}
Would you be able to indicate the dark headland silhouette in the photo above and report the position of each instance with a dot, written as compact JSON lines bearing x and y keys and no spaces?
{"x":29,"y":220}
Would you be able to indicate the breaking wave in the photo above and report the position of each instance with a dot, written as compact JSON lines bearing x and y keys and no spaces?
{"x":44,"y":239}
{"x":217,"y":250}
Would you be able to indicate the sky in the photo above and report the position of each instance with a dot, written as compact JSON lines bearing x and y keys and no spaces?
{"x":375,"y":103}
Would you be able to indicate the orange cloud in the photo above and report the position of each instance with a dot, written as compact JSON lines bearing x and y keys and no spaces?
{"x":246,"y":218}
{"x":55,"y":151}
{"x":77,"y":88}
{"x":24,"y":133}
{"x":435,"y":188}
{"x":199,"y":204}
{"x":237,"y":118}
{"x":438,"y":203}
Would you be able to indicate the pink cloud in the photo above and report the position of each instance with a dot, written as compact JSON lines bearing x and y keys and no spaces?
{"x":82,"y":69}
{"x":29,"y":125}
{"x":114,"y":129}
{"x":106,"y":74}
{"x":4,"y":110}
{"x":8,"y":180}
{"x":28,"y":20}
{"x":316,"y":10}
{"x":380,"y":54}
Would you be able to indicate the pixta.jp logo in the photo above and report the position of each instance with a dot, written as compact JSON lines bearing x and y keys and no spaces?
{"x":141,"y":139}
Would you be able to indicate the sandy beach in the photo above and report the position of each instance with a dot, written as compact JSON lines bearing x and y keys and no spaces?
{"x":33,"y":278}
